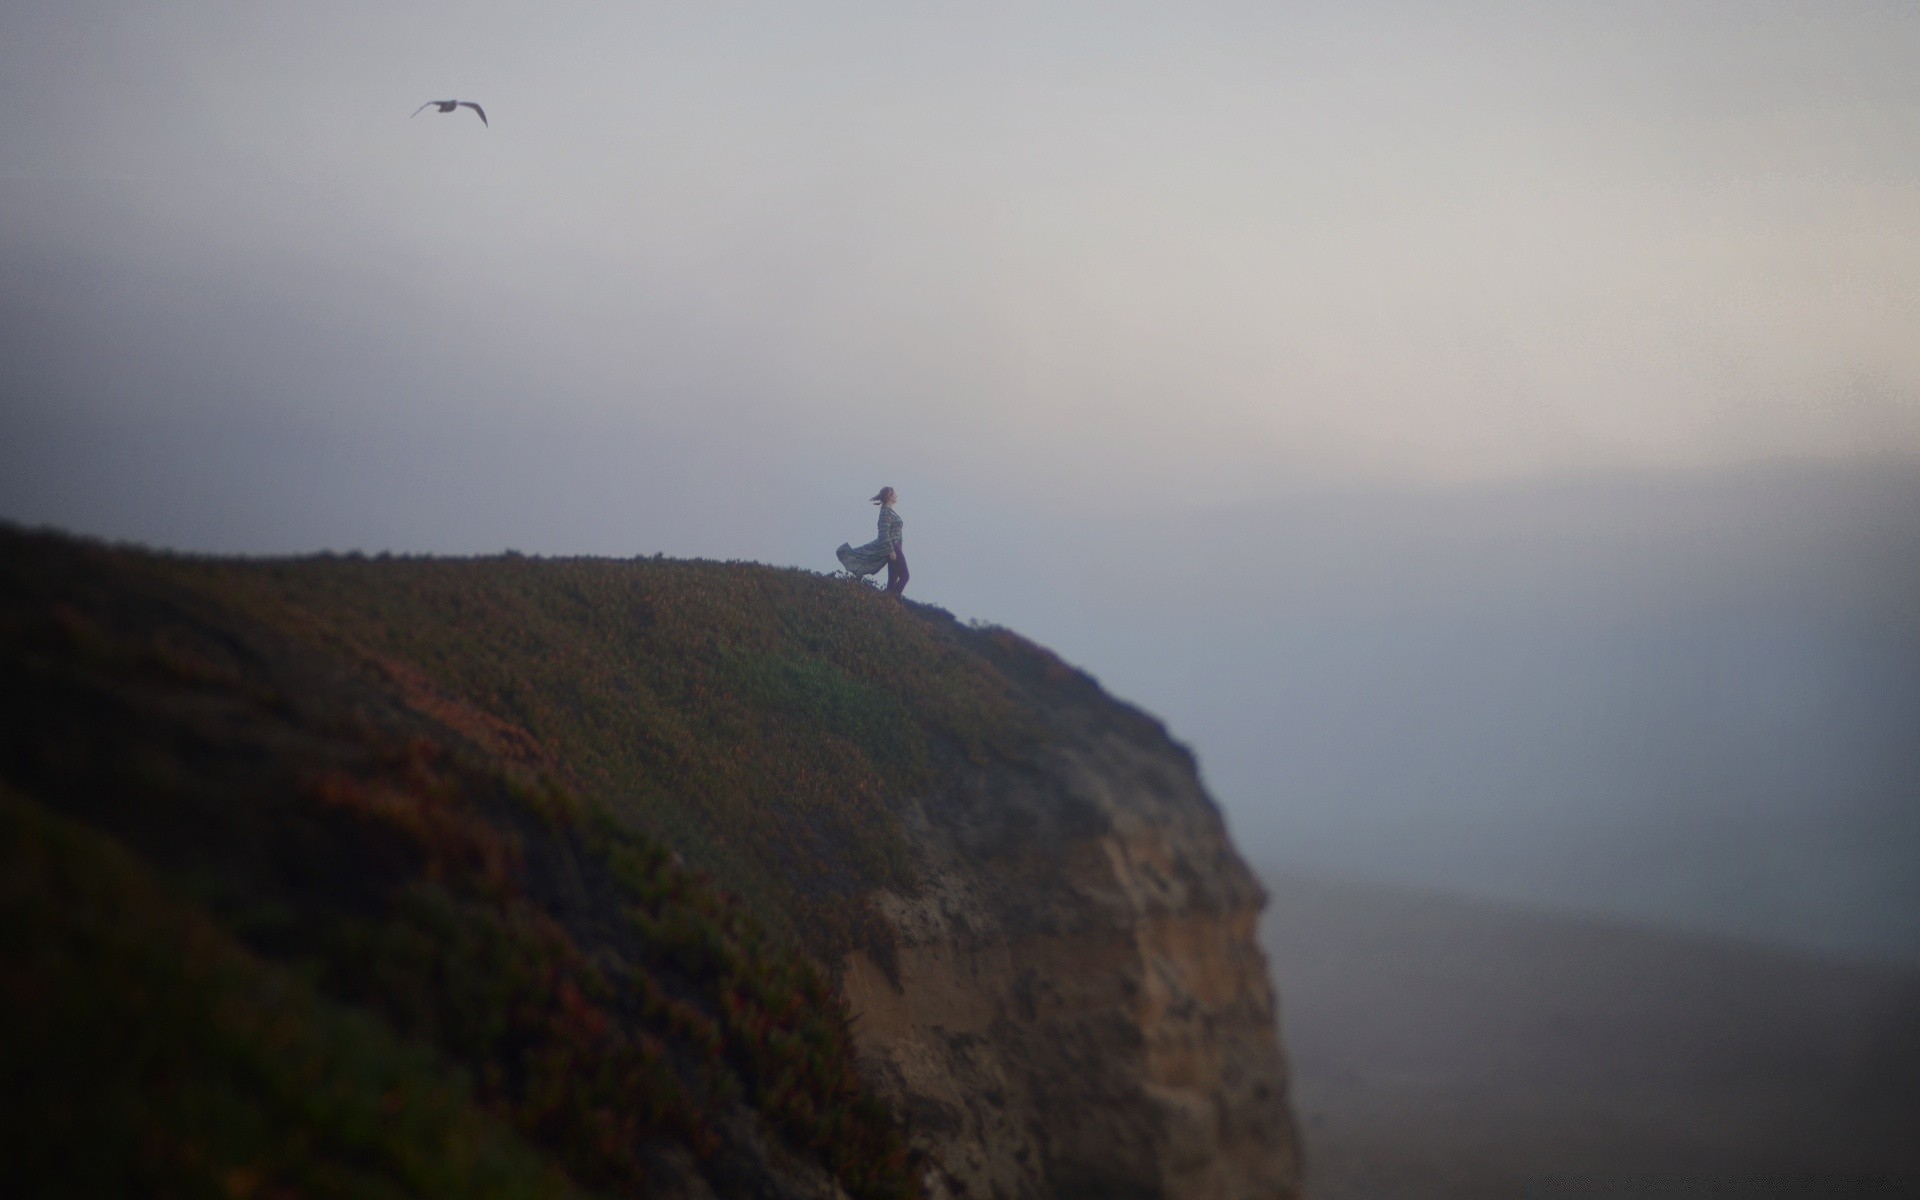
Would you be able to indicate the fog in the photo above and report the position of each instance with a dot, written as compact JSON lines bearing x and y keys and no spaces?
{"x":1488,"y":433}
{"x":1672,"y":699}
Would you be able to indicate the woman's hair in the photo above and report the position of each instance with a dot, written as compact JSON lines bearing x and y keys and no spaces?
{"x":883,"y":495}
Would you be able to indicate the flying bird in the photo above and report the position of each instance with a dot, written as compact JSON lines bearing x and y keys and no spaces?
{"x":447,"y":106}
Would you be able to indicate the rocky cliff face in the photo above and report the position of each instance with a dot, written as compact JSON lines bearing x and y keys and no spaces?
{"x":1078,"y":1005}
{"x":557,"y":860}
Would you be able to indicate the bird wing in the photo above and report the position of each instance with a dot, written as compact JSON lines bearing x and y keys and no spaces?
{"x":424,"y":107}
{"x":476,"y":108}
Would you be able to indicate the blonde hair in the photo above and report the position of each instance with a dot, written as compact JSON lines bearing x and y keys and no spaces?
{"x":883,"y":495}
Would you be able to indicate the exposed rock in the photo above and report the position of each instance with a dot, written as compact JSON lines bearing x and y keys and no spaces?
{"x":1079,"y":1006}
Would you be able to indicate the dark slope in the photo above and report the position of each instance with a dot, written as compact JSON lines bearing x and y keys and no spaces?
{"x":376,"y":939}
{"x":146,"y":1052}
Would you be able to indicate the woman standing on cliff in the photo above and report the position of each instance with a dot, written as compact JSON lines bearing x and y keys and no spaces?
{"x":887,"y":549}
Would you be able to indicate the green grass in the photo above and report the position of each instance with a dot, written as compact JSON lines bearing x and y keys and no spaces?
{"x":761,"y":721}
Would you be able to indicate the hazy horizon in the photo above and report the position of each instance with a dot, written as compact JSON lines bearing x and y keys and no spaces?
{"x":1487,"y":433}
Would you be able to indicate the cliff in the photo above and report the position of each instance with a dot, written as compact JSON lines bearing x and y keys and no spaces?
{"x":1079,"y":1006}
{"x":526,"y":877}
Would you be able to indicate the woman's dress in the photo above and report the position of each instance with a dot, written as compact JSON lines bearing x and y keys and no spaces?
{"x":865,"y":560}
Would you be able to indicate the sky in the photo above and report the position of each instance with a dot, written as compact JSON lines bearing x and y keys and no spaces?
{"x":1151,"y":312}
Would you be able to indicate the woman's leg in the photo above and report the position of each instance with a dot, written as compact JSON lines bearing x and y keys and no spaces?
{"x":897,"y":572}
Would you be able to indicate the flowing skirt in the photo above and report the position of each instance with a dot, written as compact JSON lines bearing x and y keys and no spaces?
{"x":863,"y":560}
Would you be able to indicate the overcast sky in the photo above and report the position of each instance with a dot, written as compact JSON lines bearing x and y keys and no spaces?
{"x":1063,"y":273}
{"x":1144,"y":250}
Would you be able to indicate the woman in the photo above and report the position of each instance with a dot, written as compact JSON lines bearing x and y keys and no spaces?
{"x":886,"y":549}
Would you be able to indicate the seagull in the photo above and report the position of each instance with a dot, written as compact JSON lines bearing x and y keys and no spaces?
{"x":449,"y":105}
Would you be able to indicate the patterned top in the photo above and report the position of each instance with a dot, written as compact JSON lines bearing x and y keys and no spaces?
{"x":865,"y":560}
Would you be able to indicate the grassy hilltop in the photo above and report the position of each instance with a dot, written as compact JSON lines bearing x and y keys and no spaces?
{"x":498,"y":876}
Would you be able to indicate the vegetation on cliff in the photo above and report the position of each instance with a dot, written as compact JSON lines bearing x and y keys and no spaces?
{"x":459,"y":877}
{"x":757,"y":719}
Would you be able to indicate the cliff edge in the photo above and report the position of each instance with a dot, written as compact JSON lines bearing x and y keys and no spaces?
{"x":514,"y":876}
{"x":1079,"y":1006}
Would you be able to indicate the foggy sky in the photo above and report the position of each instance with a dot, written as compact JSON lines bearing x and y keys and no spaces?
{"x":1150,"y":311}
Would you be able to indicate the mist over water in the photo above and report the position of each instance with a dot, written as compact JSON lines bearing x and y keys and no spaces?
{"x":1677,"y":699}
